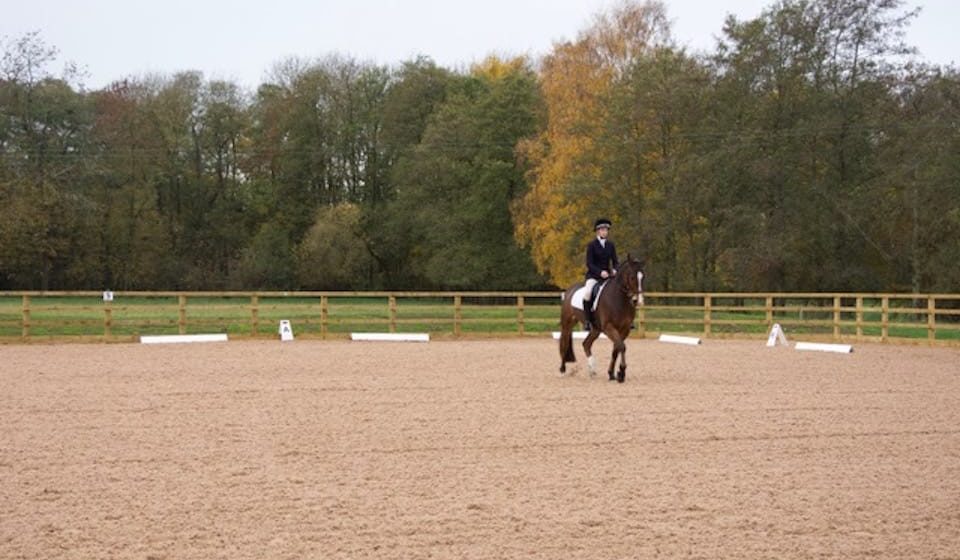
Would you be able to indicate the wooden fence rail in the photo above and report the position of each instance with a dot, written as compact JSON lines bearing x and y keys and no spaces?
{"x":27,"y":316}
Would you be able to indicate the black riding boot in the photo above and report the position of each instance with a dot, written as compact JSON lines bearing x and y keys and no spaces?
{"x":587,"y":315}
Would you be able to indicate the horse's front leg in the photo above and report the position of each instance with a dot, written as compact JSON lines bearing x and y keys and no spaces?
{"x":588,"y":350}
{"x":622,"y":374}
{"x":618,"y":350}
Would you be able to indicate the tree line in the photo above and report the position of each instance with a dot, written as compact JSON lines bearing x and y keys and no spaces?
{"x":808,"y":151}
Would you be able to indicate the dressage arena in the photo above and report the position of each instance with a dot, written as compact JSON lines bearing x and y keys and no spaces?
{"x":477,"y":449}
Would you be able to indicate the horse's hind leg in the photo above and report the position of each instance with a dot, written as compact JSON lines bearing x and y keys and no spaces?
{"x":563,"y":352}
{"x":567,"y":320}
{"x":566,"y":348}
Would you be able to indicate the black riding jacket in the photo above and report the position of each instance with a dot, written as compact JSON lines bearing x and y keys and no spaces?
{"x":600,"y":258}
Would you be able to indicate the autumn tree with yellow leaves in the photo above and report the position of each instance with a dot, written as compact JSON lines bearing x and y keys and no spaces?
{"x":567,"y":170}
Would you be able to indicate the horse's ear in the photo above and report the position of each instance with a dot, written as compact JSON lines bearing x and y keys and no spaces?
{"x":629,"y":258}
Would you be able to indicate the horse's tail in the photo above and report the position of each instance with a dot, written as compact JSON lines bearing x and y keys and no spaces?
{"x":567,"y":320}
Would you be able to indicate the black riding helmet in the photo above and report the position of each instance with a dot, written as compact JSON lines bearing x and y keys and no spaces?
{"x":601,"y":222}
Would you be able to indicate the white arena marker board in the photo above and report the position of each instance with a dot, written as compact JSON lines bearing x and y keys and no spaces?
{"x":286,"y":331}
{"x":577,"y":334}
{"x":180,"y":338}
{"x":819,"y":347}
{"x":692,"y":341}
{"x":776,"y":336}
{"x":391,"y":337}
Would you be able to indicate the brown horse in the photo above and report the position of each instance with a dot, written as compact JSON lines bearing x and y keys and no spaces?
{"x":614,"y":315}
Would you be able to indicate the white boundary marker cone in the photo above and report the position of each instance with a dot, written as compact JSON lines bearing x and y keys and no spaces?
{"x":820,"y":347}
{"x":690,"y":340}
{"x":777,"y":336}
{"x":286,"y":331}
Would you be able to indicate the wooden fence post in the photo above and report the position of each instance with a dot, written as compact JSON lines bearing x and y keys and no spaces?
{"x":707,"y":307}
{"x":931,"y":319}
{"x":520,"y":326}
{"x":323,"y":316}
{"x":859,"y":317}
{"x":641,"y":321}
{"x":107,"y":318}
{"x":254,"y":314}
{"x":182,"y":314}
{"x":769,"y":311}
{"x":884,"y":318}
{"x":457,"y":315}
{"x":836,"y":317}
{"x":25,"y":317}
{"x":393,"y":313}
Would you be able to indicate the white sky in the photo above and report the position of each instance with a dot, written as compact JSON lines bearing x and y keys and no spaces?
{"x":241,"y":40}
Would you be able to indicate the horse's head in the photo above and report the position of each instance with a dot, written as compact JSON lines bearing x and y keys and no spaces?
{"x":631,"y":274}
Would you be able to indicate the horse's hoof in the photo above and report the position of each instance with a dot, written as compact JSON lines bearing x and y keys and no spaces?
{"x":621,"y":376}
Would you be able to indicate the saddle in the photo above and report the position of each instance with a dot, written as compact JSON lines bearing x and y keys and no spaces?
{"x":596,"y":292}
{"x":579,"y":299}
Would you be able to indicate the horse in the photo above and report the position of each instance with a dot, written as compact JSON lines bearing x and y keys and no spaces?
{"x":614,"y":315}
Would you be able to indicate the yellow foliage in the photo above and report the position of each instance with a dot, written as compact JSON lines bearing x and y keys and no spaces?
{"x":494,"y":68}
{"x":554,"y":218}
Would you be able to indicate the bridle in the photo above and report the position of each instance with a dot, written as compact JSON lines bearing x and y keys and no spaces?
{"x":635,"y":295}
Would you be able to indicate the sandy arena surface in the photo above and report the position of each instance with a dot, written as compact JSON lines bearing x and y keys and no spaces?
{"x":477,"y":449}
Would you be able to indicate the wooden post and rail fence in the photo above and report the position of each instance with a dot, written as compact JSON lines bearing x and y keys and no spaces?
{"x":85,"y":315}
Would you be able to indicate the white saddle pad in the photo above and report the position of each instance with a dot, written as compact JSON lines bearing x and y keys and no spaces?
{"x":577,"y":299}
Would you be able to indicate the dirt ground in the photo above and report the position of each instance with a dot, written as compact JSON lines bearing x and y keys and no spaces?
{"x":477,"y":449}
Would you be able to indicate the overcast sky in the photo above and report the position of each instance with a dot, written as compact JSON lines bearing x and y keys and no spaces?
{"x":241,"y":40}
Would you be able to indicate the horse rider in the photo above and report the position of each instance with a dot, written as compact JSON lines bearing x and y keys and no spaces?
{"x":602,"y":263}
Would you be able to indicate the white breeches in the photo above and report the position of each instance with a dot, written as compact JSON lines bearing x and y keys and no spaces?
{"x":589,"y":284}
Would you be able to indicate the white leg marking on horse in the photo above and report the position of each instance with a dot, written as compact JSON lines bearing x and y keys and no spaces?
{"x":592,"y":362}
{"x":640,"y":288}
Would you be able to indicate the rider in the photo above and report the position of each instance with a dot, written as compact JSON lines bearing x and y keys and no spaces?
{"x":602,"y":263}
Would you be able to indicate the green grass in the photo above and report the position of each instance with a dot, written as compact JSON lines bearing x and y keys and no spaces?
{"x":131,"y":316}
{"x":134,"y":316}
